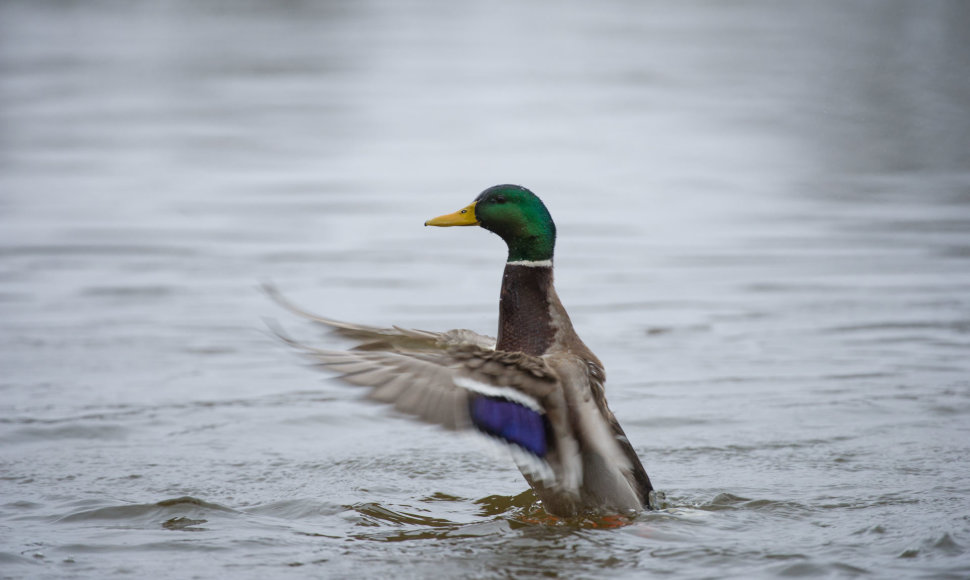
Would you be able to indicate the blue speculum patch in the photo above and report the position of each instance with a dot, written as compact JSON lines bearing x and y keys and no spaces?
{"x":511,"y":422}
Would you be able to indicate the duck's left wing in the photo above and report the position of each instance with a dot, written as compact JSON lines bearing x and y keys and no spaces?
{"x":509,"y":397}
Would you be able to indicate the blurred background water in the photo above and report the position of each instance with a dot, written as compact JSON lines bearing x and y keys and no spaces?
{"x":764,"y":220}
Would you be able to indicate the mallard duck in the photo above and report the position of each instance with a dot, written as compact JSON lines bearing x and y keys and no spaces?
{"x":537,"y":389}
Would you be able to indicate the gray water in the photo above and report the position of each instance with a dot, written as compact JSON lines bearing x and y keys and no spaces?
{"x":764,"y":221}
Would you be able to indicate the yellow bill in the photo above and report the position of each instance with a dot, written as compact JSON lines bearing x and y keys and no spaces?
{"x":462,"y":217}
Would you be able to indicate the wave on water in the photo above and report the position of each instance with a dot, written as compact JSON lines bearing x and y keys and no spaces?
{"x":943,"y":544}
{"x":178,"y":514}
{"x":502,"y":513}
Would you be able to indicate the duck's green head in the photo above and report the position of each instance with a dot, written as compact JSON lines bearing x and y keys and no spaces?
{"x":516,"y":214}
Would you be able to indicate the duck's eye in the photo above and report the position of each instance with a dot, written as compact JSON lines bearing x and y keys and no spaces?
{"x":499,"y":199}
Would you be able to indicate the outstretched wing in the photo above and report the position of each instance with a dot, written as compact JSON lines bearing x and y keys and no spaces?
{"x":390,"y":339}
{"x":458,"y":384}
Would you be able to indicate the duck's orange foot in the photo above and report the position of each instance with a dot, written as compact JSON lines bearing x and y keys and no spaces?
{"x":604,"y":522}
{"x":607,"y":522}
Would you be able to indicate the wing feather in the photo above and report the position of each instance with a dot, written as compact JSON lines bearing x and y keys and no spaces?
{"x":440,"y":378}
{"x":371,"y":338}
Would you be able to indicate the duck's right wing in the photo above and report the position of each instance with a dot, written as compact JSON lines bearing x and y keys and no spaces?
{"x":395,"y":338}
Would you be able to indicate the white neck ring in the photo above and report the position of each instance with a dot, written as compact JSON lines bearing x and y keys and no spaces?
{"x":531,"y":263}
